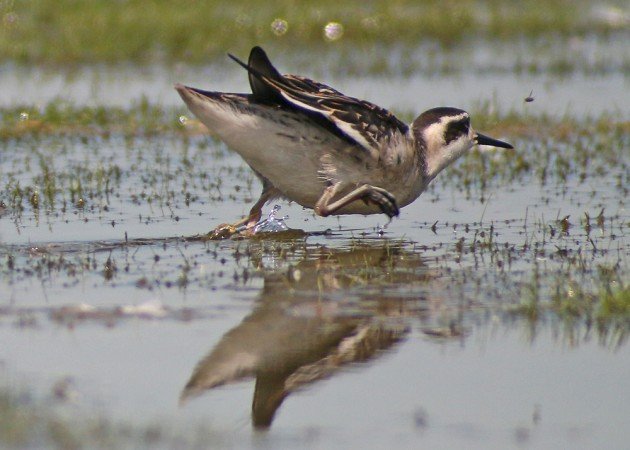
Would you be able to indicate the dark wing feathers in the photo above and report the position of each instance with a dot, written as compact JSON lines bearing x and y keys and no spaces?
{"x":259,"y":62}
{"x":359,"y":122}
{"x":312,"y":86}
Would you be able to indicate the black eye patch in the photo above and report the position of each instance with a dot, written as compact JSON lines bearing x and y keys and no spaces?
{"x":456,"y":129}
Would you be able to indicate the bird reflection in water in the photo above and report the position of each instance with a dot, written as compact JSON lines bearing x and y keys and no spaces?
{"x":332,"y":309}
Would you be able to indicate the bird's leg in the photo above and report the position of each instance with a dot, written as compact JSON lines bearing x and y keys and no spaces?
{"x":369,"y":194}
{"x":256,"y":212}
{"x":226,"y":230}
{"x":321,"y":207}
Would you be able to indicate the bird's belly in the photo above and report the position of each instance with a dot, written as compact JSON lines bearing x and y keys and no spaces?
{"x":406,"y":192}
{"x":291,"y":162}
{"x":291,"y":153}
{"x":298,"y":183}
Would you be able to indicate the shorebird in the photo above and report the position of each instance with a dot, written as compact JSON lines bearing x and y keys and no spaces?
{"x":336,"y":154}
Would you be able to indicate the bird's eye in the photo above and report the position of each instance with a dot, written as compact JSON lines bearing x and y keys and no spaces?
{"x":462,"y":125}
{"x":457,"y":129}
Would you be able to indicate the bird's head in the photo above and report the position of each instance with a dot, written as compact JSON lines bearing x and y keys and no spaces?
{"x":445,"y":134}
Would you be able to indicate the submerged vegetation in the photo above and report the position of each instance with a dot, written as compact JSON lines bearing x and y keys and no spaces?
{"x":65,"y":164}
{"x":59,"y":118}
{"x":591,"y":304}
{"x":168,"y":155}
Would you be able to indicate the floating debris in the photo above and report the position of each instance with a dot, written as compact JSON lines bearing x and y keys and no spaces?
{"x":71,"y":315}
{"x":147,"y":310}
{"x":453,"y":330}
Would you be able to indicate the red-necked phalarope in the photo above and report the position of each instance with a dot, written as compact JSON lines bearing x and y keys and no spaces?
{"x":311,"y":144}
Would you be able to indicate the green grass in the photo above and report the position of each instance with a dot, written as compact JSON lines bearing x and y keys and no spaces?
{"x":40,"y":182}
{"x":143,"y":118}
{"x":596,"y":299}
{"x":59,"y":118}
{"x":67,"y":162}
{"x":71,"y":31}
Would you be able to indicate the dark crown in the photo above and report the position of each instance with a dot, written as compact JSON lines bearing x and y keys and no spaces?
{"x":456,"y":122}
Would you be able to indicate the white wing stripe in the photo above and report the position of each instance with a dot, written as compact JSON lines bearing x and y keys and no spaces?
{"x":345,"y":127}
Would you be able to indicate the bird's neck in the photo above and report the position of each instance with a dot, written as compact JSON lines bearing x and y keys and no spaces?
{"x":440,"y":157}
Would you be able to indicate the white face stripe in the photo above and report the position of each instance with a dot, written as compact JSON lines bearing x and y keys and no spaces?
{"x":457,"y":118}
{"x":434,"y":133}
{"x":438,"y":129}
{"x":439,"y":155}
{"x":445,"y":155}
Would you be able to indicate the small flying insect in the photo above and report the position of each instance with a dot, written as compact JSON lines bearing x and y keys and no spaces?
{"x":530,"y":97}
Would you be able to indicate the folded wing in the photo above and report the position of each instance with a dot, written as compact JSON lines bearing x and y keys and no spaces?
{"x":361,"y":123}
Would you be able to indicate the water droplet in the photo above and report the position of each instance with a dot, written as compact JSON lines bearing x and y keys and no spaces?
{"x":279,"y":27}
{"x":24,"y":115}
{"x":272,"y":224}
{"x":183,"y":120}
{"x":333,"y":31}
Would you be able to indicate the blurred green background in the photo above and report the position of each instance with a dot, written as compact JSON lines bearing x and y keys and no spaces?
{"x":75,"y":31}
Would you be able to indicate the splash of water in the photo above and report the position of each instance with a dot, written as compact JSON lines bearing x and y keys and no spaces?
{"x":272,"y":224}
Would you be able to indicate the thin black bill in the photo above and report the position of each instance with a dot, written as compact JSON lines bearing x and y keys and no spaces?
{"x":485,"y":140}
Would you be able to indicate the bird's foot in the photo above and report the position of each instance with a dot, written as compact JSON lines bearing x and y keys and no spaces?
{"x":223,"y":231}
{"x":384,"y":200}
{"x":370,"y":195}
{"x":242,"y":228}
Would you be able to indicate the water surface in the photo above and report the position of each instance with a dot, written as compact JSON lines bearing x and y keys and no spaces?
{"x":437,"y":329}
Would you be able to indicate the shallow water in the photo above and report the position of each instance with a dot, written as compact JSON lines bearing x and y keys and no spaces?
{"x":493,"y":389}
{"x":357,"y":331}
{"x":577,"y":95}
{"x":447,"y":365}
{"x":582,"y":77}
